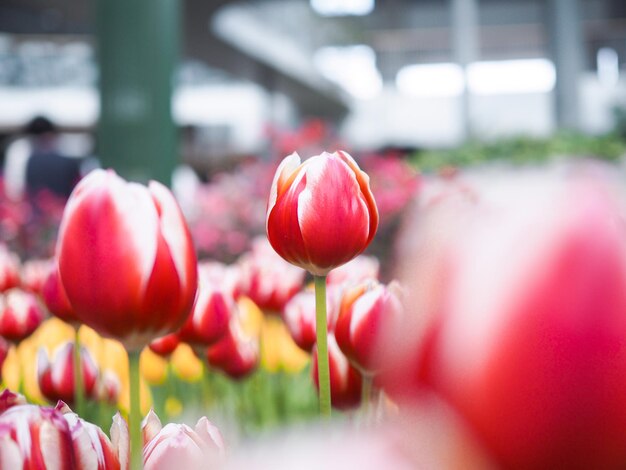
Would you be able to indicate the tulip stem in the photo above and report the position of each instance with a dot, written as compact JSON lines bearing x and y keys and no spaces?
{"x":366,"y":394}
{"x":323,"y":369}
{"x":134,"y":421}
{"x":79,"y":389}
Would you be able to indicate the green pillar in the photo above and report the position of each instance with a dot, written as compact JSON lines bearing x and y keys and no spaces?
{"x":138,"y":45}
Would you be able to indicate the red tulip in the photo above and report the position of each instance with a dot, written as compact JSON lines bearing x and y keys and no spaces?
{"x":56,"y":378}
{"x":32,"y":437}
{"x":20,"y":314}
{"x":34,"y":274}
{"x":345,"y":380}
{"x":9,"y":269}
{"x":126,"y":259}
{"x":299,"y":315}
{"x":236,"y":354}
{"x":212,"y":310}
{"x":4,"y":352}
{"x":165,"y":345}
{"x":526,"y":335}
{"x":180,"y":446}
{"x":92,"y":448}
{"x":267,"y":279}
{"x":55,"y":298}
{"x":9,"y":399}
{"x":368,"y":312}
{"x":321,"y":213}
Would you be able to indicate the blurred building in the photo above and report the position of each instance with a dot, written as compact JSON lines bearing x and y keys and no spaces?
{"x":386,"y":72}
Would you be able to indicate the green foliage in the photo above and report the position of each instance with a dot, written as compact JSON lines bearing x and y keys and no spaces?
{"x":523,"y":150}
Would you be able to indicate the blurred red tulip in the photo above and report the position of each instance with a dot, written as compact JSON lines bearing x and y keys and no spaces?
{"x":361,"y":268}
{"x":212,"y":309}
{"x":34,"y":274}
{"x":525,"y":337}
{"x":108,"y":387}
{"x":4,"y":352}
{"x":55,"y":298}
{"x":20,"y":314}
{"x":267,"y":279}
{"x":299,"y":315}
{"x":345,"y":380}
{"x":9,"y":399}
{"x":235,"y":354}
{"x":180,"y":446}
{"x":56,"y":377}
{"x":321,"y":213}
{"x":368,"y":312}
{"x":126,"y":259}
{"x":165,"y":345}
{"x":9,"y":269}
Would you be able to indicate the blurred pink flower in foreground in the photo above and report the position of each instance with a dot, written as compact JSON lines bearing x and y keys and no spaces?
{"x":519,"y":310}
{"x":180,"y":446}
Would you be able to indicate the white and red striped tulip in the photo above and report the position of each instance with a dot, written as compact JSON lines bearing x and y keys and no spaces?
{"x":345,"y":380}
{"x":91,"y":447}
{"x":368,"y":313}
{"x":212,"y":310}
{"x":267,"y":279}
{"x":126,"y":259}
{"x":299,"y":315}
{"x":9,"y":399}
{"x":20,"y":314}
{"x":34,"y":274}
{"x":55,"y":298}
{"x":180,"y":446}
{"x":109,"y":387}
{"x":56,"y":376}
{"x":236,"y":354}
{"x":360,"y":269}
{"x":321,"y":212}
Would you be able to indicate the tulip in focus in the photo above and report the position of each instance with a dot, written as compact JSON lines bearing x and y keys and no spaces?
{"x":368,"y":312}
{"x":56,"y":377}
{"x":321,"y":212}
{"x":345,"y":380}
{"x":126,"y":259}
{"x":525,"y":337}
{"x":20,"y":314}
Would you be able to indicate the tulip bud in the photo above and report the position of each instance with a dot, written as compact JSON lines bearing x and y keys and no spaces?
{"x":345,"y":380}
{"x":368,"y":312}
{"x":9,"y":399}
{"x":321,"y":213}
{"x":20,"y":314}
{"x":180,"y":446}
{"x":34,"y":274}
{"x":165,"y":345}
{"x":56,"y":378}
{"x":109,"y":387}
{"x":360,"y":269}
{"x":126,"y":259}
{"x":236,"y":354}
{"x":55,"y":298}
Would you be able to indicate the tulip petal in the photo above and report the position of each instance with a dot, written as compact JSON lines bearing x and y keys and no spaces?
{"x":120,"y":440}
{"x":286,"y":169}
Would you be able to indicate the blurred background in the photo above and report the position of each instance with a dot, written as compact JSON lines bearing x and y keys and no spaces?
{"x":149,"y":84}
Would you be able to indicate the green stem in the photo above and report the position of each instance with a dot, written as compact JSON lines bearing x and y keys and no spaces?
{"x":79,"y":389}
{"x":366,"y":394}
{"x":323,"y":369}
{"x":134,"y":424}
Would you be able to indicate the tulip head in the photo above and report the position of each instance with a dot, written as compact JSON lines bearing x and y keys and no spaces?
{"x":236,"y":353}
{"x":20,"y":314}
{"x":165,"y":345}
{"x":126,"y":259}
{"x":55,"y":298}
{"x":321,"y":213}
{"x":9,"y":269}
{"x":34,"y":274}
{"x":56,"y":377}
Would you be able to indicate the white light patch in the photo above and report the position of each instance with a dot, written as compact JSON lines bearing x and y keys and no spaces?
{"x":343,"y":7}
{"x":431,"y":80}
{"x":511,"y":77}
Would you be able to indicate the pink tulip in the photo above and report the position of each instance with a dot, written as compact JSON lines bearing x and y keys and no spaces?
{"x":525,"y":335}
{"x":34,"y":274}
{"x":9,"y":269}
{"x":56,"y":378}
{"x":368,"y":312}
{"x":20,"y":314}
{"x":9,"y":399}
{"x":32,"y":437}
{"x":55,"y":298}
{"x":361,"y":268}
{"x":267,"y":279}
{"x":299,"y":315}
{"x":108,"y":387}
{"x":212,"y":310}
{"x":321,"y":213}
{"x":92,"y":448}
{"x":126,"y":259}
{"x":180,"y":446}
{"x":165,"y":345}
{"x":345,"y":380}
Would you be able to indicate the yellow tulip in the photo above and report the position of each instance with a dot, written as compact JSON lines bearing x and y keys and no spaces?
{"x":185,"y":364}
{"x":153,"y":367}
{"x":278,"y":350}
